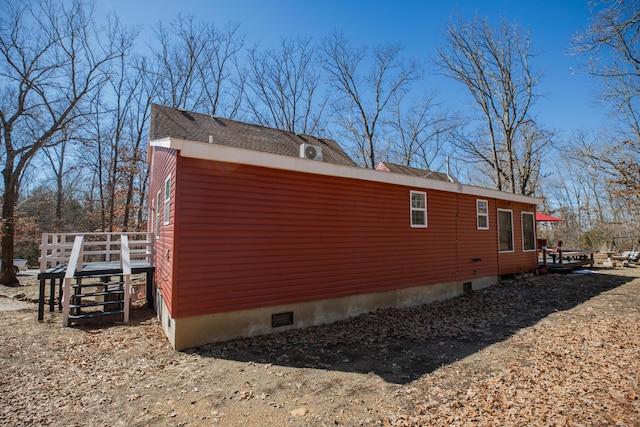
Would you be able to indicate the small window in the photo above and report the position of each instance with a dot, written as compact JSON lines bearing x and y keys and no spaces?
{"x":528,"y":232}
{"x":505,"y":230}
{"x":482,"y":212}
{"x":152,"y":217}
{"x":167,"y":200}
{"x":158,"y":206}
{"x":418,"y":209}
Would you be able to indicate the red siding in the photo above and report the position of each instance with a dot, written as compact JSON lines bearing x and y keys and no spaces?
{"x":164,"y":165}
{"x":477,"y":249}
{"x":516,"y":261}
{"x":249,"y":237}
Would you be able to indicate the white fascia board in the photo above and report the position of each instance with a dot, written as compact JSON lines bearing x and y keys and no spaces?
{"x":223,"y":153}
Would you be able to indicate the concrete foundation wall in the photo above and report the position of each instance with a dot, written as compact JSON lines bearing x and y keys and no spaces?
{"x":194,"y":331}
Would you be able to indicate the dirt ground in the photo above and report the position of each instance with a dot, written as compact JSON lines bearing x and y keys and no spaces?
{"x":555,"y":350}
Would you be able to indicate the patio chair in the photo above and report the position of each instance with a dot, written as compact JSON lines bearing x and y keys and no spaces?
{"x":628,"y":256}
{"x":624,"y":256}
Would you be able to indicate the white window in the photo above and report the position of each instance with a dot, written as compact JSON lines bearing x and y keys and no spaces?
{"x":158,"y":206}
{"x":167,"y":200}
{"x":152,"y":217}
{"x":505,"y":230}
{"x":418,"y":209}
{"x":528,"y":231}
{"x":482,"y":212}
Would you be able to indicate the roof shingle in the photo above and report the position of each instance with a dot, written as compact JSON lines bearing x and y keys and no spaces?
{"x":411,"y":171}
{"x":172,"y":122}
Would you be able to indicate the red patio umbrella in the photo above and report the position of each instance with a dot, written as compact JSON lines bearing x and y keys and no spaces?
{"x":544,"y":217}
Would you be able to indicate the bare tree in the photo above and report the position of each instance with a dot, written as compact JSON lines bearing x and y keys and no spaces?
{"x":283,"y":87}
{"x":194,"y":62}
{"x":419,"y":134}
{"x":65,"y":172}
{"x":51,"y":59}
{"x":611,"y":48}
{"x":494,"y":67}
{"x":114,"y":137}
{"x":136,"y":171}
{"x":530,"y":151}
{"x":362,"y":96}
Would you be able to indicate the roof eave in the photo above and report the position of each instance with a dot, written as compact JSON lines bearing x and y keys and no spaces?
{"x":222,"y":153}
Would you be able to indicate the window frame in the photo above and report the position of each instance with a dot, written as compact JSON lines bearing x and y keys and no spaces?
{"x":512,"y":246}
{"x":481,"y":215}
{"x":413,"y":209}
{"x":533,"y":230}
{"x":158,"y":205}
{"x":167,"y":200}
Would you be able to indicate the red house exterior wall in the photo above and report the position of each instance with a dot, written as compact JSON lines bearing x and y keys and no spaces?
{"x":477,"y":250}
{"x":518,"y":260}
{"x":164,"y":164}
{"x":243,"y":237}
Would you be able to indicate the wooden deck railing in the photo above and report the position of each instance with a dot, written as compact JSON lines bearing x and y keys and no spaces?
{"x":75,"y":259}
{"x":56,"y":248}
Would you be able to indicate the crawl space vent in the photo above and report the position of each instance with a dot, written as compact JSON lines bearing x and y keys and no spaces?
{"x":282,"y":319}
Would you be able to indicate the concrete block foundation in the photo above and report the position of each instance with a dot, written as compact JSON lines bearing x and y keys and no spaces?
{"x":188,"y":332}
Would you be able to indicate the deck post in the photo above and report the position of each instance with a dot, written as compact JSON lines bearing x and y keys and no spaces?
{"x":41,"y":300}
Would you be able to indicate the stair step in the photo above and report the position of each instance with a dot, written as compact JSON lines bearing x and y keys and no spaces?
{"x":88,"y":285}
{"x":94,"y":314}
{"x":96,"y":276}
{"x":98,"y":294}
{"x":95,"y":304}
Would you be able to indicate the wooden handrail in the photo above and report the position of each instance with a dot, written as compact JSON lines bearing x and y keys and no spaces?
{"x":74,"y":260}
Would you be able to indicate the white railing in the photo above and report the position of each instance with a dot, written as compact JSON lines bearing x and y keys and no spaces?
{"x":56,"y":248}
{"x":75,"y":260}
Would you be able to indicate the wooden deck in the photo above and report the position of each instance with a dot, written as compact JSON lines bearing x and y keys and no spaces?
{"x":98,"y":254}
{"x":55,"y":277}
{"x":566,"y":260}
{"x":95,"y":268}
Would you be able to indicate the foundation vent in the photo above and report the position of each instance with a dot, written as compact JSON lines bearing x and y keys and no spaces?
{"x":466,"y":287}
{"x":282,"y":319}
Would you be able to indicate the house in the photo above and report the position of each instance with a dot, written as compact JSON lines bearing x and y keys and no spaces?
{"x":260,"y":230}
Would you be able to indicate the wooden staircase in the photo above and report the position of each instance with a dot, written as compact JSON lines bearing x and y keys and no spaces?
{"x":96,"y":296}
{"x":86,"y":296}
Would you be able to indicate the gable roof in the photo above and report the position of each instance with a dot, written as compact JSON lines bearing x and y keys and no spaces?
{"x":411,"y":171}
{"x":169,"y":122}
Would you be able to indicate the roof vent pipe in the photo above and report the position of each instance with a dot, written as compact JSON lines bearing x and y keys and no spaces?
{"x":210,"y":139}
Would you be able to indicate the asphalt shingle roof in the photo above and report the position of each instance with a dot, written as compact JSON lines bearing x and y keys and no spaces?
{"x":411,"y":171}
{"x":172,"y":122}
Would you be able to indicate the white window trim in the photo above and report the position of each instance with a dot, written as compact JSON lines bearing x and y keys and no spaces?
{"x":157,"y":207}
{"x":478,"y":214}
{"x":512,"y":232}
{"x":412,"y":209}
{"x":533,"y":217}
{"x":166,"y":207}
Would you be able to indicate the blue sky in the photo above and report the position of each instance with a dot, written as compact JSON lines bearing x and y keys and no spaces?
{"x":568,"y":95}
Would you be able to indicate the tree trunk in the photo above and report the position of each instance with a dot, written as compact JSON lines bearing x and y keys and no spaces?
{"x":8,"y":275}
{"x":141,"y":210}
